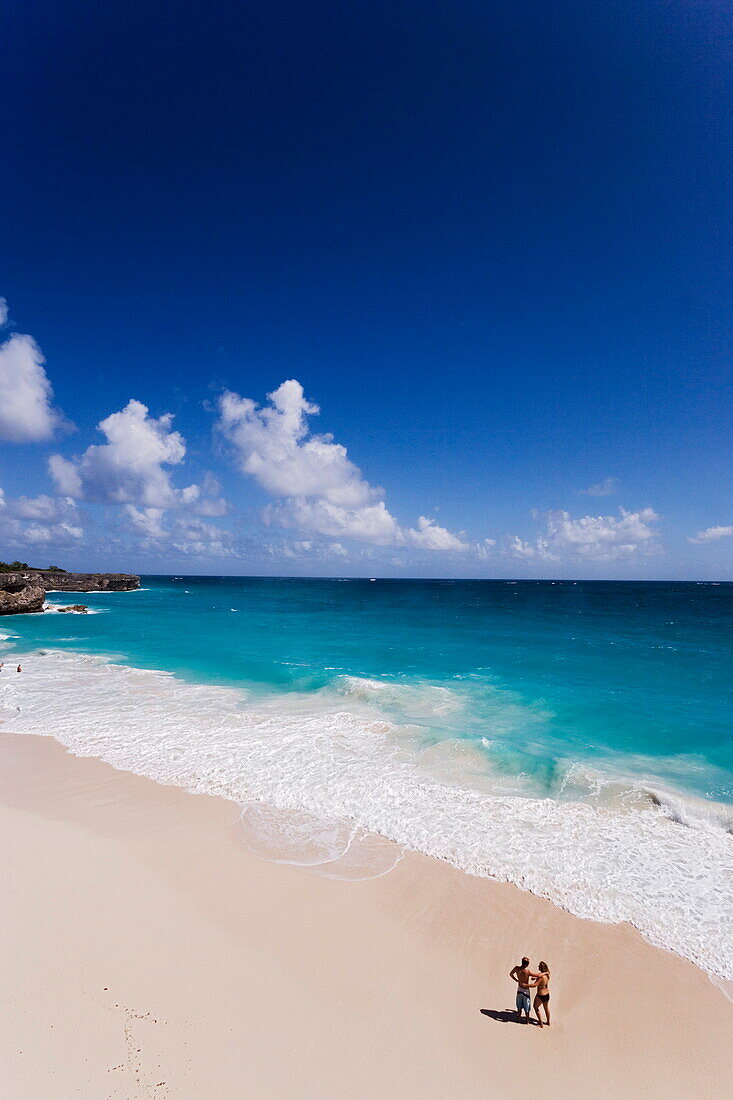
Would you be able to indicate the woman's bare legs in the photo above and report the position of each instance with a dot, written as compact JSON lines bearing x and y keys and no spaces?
{"x":537,"y":1003}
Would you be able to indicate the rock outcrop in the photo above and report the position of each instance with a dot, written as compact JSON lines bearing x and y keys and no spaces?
{"x":54,"y":581}
{"x":25,"y":590}
{"x":23,"y":600}
{"x":76,"y":608}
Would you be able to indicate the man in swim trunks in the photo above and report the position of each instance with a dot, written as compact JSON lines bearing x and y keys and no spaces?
{"x":522,"y":975}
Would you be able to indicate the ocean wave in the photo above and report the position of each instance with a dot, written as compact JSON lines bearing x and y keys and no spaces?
{"x":340,"y":760}
{"x":412,"y":700}
{"x":55,"y":608}
{"x":631,"y":784}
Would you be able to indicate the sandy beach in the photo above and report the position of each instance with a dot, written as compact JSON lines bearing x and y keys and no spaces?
{"x":148,"y":955}
{"x":366,"y":551}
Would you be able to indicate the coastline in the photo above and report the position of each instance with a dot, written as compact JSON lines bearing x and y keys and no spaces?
{"x":150,"y":955}
{"x":338,"y":759}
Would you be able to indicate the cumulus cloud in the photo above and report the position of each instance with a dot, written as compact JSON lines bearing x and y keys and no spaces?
{"x":196,"y":538}
{"x":39,"y":520}
{"x":310,"y":550}
{"x":27,"y":414}
{"x":518,"y":548}
{"x":430,"y":536}
{"x":152,"y":529}
{"x":129,"y":467}
{"x":275,"y":446}
{"x":148,"y":521}
{"x":370,"y":523}
{"x":316,"y":487}
{"x":711,"y":534}
{"x":485,"y":547}
{"x":604,"y":488}
{"x":210,"y":501}
{"x":133,"y":468}
{"x":590,"y":538}
{"x":66,"y":476}
{"x":627,"y":532}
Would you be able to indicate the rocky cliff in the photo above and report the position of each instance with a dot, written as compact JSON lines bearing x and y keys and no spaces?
{"x":30,"y":597}
{"x":25,"y":590}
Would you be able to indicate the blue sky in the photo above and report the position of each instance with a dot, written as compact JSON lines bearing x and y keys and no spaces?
{"x":490,"y":241}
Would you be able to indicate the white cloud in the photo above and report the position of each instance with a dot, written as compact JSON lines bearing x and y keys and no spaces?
{"x":274,"y":445}
{"x":590,"y":538}
{"x":3,"y":312}
{"x":310,"y":550}
{"x":429,"y":536}
{"x":133,"y":469}
{"x":316,"y":486}
{"x":485,"y":548}
{"x":629,"y":530}
{"x":148,"y":521}
{"x":38,"y":533}
{"x":210,"y":502}
{"x":371,"y":523}
{"x":194,"y":537}
{"x":518,"y":548}
{"x":27,"y":414}
{"x":711,"y":534}
{"x":151,"y":529}
{"x":129,"y":467}
{"x":66,"y":476}
{"x":39,"y":520}
{"x":40,"y":507}
{"x":604,"y":488}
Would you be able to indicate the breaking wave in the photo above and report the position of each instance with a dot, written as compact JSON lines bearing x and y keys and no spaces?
{"x":53,"y":608}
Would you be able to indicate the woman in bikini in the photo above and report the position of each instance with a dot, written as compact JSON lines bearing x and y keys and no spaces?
{"x":542,"y":997}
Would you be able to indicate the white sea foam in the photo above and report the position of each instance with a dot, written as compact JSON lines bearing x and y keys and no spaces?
{"x":411,"y":700}
{"x":336,"y":849}
{"x":632,"y":784}
{"x":55,"y":608}
{"x":353,"y":769}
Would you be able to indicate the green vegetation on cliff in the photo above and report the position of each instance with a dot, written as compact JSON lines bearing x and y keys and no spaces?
{"x":16,"y":566}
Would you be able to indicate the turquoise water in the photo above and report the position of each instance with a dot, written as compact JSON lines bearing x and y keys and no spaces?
{"x":636,"y":677}
{"x":572,"y":738}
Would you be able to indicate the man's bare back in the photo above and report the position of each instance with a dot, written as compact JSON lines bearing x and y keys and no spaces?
{"x":522,"y":975}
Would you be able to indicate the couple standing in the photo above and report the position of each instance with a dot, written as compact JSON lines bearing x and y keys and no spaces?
{"x":527,"y":980}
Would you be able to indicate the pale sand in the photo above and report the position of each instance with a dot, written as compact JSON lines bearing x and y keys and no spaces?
{"x":145,"y":954}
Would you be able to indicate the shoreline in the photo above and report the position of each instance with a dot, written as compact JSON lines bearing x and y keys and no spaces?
{"x":151,"y":956}
{"x":668,"y":880}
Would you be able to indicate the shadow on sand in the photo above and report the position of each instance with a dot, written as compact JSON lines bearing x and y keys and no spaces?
{"x":508,"y":1016}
